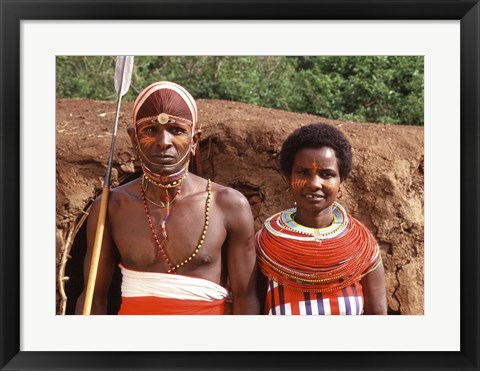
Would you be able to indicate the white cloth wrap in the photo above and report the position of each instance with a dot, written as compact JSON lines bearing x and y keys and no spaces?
{"x":169,"y":286}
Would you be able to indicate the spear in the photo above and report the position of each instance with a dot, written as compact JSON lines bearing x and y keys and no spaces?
{"x":123,"y":76}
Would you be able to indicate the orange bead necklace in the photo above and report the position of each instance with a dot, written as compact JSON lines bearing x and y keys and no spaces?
{"x":301,"y":260}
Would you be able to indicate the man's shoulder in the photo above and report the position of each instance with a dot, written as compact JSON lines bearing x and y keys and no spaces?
{"x":228,"y":197}
{"x":235,"y":208}
{"x":126,"y":191}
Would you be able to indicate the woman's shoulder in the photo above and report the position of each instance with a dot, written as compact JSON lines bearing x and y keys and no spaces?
{"x":363,"y":232}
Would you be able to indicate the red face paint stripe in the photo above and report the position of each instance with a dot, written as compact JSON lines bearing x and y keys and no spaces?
{"x":297,"y":183}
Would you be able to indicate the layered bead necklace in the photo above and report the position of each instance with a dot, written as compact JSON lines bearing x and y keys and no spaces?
{"x":165,"y":181}
{"x":172,"y":268}
{"x":316,"y":259}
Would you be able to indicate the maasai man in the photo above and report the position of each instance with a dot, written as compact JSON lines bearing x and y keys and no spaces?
{"x":177,"y":237}
{"x":315,"y":258}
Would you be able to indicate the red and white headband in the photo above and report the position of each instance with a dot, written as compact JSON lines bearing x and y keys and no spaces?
{"x":164,"y":117}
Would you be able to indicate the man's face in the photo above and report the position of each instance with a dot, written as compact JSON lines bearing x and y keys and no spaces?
{"x":165,"y":148}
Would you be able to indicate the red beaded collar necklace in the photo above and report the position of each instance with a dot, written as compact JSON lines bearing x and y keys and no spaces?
{"x":310,"y":265}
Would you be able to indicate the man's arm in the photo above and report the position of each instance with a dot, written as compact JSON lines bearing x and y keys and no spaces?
{"x":373,"y":285}
{"x":240,"y":248}
{"x":106,"y":264}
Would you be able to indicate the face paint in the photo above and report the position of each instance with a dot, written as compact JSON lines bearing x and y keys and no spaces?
{"x":164,"y":148}
{"x":146,"y":142}
{"x":315,"y":179}
{"x":315,"y":166}
{"x":296,"y":184}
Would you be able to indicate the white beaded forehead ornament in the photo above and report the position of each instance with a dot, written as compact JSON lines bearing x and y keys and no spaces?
{"x":165,"y":118}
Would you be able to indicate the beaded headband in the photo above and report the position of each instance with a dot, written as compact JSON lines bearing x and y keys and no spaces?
{"x":165,"y":118}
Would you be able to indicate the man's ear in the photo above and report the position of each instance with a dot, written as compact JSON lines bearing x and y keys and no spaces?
{"x":195,"y":141}
{"x":131,"y":134}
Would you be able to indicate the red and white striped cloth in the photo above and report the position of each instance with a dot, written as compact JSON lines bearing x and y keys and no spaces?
{"x":163,"y":293}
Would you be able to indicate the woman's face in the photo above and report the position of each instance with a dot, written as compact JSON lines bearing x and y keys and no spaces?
{"x":315,"y":179}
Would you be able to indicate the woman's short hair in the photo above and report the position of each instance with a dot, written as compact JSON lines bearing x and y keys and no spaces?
{"x":316,"y":136}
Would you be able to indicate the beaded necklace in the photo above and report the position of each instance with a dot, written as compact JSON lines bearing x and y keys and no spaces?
{"x":286,"y":226}
{"x":172,"y":268}
{"x":162,"y":205}
{"x":297,"y":258}
{"x":165,"y":181}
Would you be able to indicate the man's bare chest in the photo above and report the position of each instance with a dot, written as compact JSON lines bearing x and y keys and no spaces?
{"x":190,"y":238}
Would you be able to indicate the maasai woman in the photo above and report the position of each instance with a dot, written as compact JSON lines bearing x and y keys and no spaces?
{"x":316,"y":258}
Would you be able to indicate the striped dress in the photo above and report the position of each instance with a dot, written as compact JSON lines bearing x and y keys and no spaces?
{"x":280,"y":300}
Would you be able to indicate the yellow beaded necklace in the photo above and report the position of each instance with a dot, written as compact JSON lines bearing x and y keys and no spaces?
{"x":172,"y":267}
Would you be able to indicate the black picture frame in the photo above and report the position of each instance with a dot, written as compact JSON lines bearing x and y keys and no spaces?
{"x":13,"y":12}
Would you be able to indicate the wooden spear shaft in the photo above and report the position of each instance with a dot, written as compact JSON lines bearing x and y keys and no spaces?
{"x":123,"y":73}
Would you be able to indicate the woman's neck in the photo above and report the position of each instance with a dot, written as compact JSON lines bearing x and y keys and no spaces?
{"x":317,"y":220}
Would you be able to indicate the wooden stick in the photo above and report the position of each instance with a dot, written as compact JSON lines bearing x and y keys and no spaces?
{"x":97,"y":248}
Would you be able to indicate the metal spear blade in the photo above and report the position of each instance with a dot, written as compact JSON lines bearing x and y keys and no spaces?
{"x":123,"y":74}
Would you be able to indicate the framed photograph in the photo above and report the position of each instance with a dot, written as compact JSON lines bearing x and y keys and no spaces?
{"x":35,"y":33}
